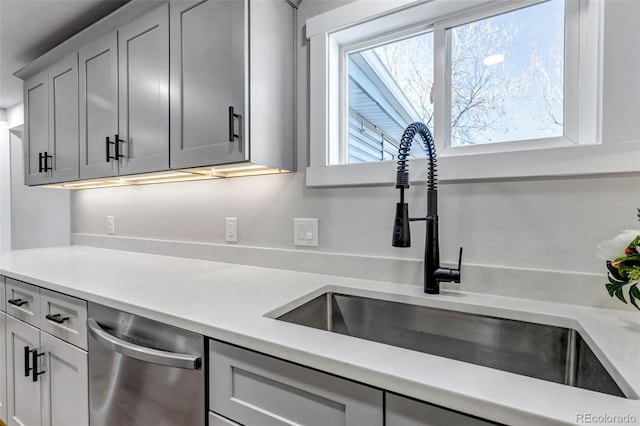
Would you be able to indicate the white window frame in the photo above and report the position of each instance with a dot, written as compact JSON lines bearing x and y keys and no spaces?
{"x":578,"y":152}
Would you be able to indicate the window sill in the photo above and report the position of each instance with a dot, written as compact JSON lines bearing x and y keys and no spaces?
{"x":580,"y":160}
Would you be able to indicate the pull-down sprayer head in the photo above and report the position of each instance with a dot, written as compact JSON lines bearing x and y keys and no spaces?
{"x":401,"y":229}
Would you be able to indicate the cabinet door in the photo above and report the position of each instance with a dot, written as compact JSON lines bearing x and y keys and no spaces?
{"x":403,"y":411}
{"x":254,"y":389}
{"x":23,"y":394}
{"x":144,"y":92}
{"x":208,"y":45}
{"x":63,"y":120}
{"x":36,"y":127}
{"x":98,"y":75}
{"x":3,"y":369}
{"x":65,"y":383}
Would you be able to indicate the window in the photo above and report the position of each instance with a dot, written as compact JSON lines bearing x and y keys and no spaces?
{"x":489,"y":77}
{"x":506,"y":76}
{"x":389,"y":88}
{"x":504,"y":82}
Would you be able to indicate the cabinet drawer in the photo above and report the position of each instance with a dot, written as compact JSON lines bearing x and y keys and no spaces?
{"x":255,"y":389}
{"x":23,"y":301}
{"x":64,"y":317}
{"x":403,"y":411}
{"x":216,"y":420}
{"x":2,"y":291}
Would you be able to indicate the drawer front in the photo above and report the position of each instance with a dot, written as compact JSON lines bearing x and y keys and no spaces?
{"x":216,"y":420}
{"x":23,"y":301}
{"x":2,"y":291}
{"x":403,"y":411}
{"x":64,"y":317}
{"x":255,"y":389}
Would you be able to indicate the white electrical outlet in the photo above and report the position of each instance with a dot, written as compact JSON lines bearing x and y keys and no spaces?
{"x":305,"y":232}
{"x":231,"y":229}
{"x":111,"y":225}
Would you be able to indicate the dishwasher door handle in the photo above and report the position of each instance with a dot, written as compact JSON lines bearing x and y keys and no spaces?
{"x":142,"y":353}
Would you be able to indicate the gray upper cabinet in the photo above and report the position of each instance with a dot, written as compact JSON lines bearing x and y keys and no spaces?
{"x":164,"y":85}
{"x":207,"y":78}
{"x":98,"y":107}
{"x":143,"y":47}
{"x":232,"y":54}
{"x":63,"y":120}
{"x":36,"y":127}
{"x":51,"y":124}
{"x":124,"y":99}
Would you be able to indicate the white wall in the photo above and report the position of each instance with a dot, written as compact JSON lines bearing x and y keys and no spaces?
{"x":40,"y":217}
{"x":514,"y":232}
{"x":5,"y":185}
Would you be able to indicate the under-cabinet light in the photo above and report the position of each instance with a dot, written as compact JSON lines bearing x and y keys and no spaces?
{"x":182,"y":175}
{"x":155,"y":176}
{"x":84,"y":183}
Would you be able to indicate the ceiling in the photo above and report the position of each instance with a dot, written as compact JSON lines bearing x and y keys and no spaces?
{"x":29,"y":28}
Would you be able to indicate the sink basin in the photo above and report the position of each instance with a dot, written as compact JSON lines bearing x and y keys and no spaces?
{"x":556,"y":354}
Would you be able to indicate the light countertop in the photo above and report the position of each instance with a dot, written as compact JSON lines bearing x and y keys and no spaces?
{"x":234,"y":303}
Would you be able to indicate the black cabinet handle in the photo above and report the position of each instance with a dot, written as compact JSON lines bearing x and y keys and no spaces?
{"x":117,"y":144}
{"x":57,"y":318}
{"x":18,"y":302}
{"x":39,"y":162}
{"x":108,"y":155}
{"x":45,"y":157}
{"x":34,"y":369}
{"x":27,"y":368}
{"x":232,"y":125}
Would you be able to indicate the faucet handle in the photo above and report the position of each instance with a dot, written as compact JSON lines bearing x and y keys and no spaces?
{"x":456,"y":274}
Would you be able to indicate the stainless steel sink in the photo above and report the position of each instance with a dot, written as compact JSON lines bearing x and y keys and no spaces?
{"x":556,"y":354}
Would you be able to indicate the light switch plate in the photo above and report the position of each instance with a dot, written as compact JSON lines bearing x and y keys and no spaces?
{"x":111,"y":225}
{"x":305,"y":232}
{"x":231,"y":229}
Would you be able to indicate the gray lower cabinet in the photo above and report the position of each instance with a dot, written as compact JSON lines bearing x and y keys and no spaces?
{"x":3,"y":368}
{"x":46,"y":376}
{"x":3,"y":356}
{"x":253,"y":389}
{"x":403,"y":411}
{"x":64,"y":384}
{"x":24,"y":396}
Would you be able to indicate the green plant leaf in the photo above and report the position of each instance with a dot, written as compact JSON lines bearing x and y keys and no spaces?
{"x":634,"y":294}
{"x":614,"y":272}
{"x":614,"y":281}
{"x":616,"y":290}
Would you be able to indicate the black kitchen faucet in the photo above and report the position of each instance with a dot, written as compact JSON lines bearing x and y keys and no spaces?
{"x":434,"y":274}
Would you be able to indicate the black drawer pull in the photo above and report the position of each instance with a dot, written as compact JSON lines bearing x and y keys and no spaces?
{"x":232,"y":125}
{"x":27,"y":358}
{"x":18,"y":302}
{"x":46,"y":157}
{"x":34,"y":369}
{"x":57,"y":318}
{"x":117,"y":143}
{"x":107,"y":143}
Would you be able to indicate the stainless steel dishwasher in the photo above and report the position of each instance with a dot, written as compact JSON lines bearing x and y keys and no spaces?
{"x":142,"y":372}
